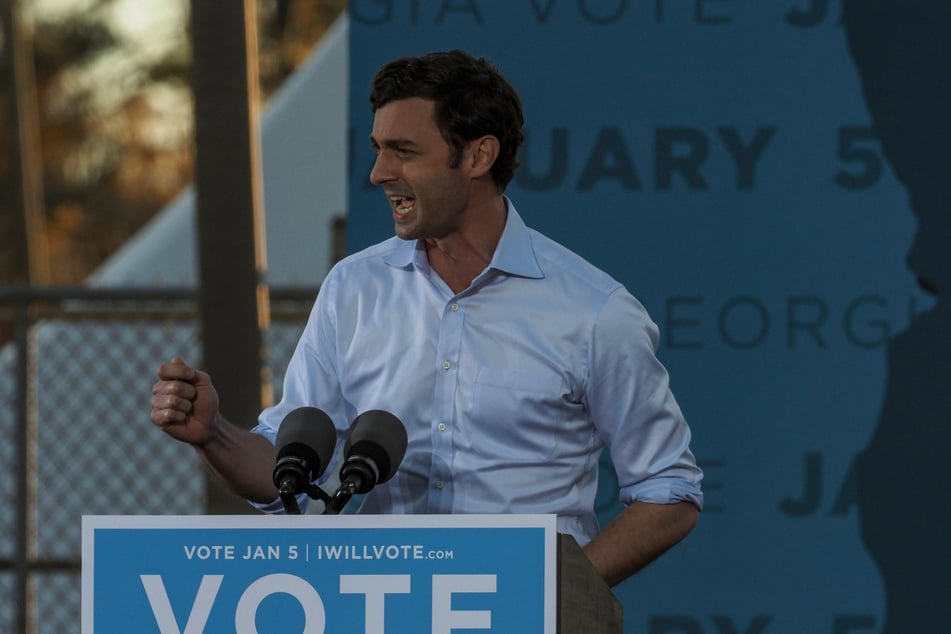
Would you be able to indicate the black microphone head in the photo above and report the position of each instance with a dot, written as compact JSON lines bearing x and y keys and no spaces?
{"x":305,"y":443}
{"x":381,"y":437}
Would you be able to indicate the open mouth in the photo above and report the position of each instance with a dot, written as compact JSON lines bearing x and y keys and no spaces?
{"x":403,"y":204}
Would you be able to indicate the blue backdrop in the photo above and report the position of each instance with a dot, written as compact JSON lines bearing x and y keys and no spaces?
{"x":754,"y":172}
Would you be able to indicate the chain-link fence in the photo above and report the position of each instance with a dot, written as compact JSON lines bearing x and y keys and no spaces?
{"x":76,"y":374}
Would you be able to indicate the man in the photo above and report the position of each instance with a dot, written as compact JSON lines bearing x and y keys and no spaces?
{"x":511,"y":360}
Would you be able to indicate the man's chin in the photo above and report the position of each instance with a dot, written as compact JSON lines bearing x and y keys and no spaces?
{"x":404,"y":232}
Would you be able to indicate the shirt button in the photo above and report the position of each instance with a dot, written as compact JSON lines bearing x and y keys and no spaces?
{"x":446,"y":365}
{"x":454,"y":307}
{"x":441,"y":426}
{"x":438,"y":484}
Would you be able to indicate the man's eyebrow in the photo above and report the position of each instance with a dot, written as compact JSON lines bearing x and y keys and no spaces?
{"x":392,"y":143}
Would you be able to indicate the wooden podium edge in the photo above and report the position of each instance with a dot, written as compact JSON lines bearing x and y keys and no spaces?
{"x":586,"y":604}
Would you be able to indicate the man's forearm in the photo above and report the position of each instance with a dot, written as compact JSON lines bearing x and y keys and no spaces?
{"x":242,"y":460}
{"x":637,"y":536}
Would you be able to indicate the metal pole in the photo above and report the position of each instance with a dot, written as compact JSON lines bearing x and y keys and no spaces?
{"x":27,"y":237}
{"x":20,"y":453}
{"x":233,"y":301}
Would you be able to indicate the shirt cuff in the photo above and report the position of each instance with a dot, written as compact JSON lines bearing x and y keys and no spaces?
{"x":663,"y":491}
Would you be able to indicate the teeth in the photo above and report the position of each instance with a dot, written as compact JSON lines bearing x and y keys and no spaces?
{"x":402,"y":203}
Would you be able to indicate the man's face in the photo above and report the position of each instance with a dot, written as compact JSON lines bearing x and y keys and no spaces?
{"x":427,"y":196}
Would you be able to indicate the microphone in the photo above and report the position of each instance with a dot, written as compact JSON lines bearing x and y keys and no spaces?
{"x":372,"y":454}
{"x":305,"y":445}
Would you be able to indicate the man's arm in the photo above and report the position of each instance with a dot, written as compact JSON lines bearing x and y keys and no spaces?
{"x":185,"y":406}
{"x":637,"y":536}
{"x":242,"y":460}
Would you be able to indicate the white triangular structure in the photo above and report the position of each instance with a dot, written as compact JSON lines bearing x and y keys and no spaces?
{"x":304,"y":162}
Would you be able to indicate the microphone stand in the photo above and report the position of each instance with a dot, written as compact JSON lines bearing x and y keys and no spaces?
{"x":335,"y":503}
{"x":289,"y":496}
{"x":359,"y":474}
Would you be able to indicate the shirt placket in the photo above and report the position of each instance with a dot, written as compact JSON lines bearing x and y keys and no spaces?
{"x":442,"y":427}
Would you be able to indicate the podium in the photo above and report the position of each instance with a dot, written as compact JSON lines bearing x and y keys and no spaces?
{"x":586,"y":604}
{"x":342,"y":574}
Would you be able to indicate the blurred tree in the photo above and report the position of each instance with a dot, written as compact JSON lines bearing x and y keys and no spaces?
{"x":289,"y":30}
{"x":115,"y":113}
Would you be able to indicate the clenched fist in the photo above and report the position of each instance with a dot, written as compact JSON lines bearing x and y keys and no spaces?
{"x":185,"y":403}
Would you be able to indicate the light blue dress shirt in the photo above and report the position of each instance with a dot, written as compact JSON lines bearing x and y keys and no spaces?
{"x":509,"y":390}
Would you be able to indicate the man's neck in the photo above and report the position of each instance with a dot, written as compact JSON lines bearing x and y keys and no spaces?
{"x":459,"y":258}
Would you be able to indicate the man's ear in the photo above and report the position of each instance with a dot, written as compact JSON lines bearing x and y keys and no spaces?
{"x":482,"y":154}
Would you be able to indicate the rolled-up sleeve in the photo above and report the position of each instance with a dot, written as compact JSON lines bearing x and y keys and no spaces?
{"x":634,"y":409}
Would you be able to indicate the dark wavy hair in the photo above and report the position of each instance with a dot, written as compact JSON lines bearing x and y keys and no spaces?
{"x":472,"y":99}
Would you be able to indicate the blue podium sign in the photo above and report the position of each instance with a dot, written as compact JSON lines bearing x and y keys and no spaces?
{"x":319,"y":574}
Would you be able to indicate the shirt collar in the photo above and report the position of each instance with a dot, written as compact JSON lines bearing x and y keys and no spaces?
{"x":514,"y":254}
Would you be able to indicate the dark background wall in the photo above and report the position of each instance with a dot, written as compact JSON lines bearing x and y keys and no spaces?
{"x":770,"y":179}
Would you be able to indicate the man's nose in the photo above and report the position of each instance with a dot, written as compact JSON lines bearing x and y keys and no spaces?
{"x":383,"y":169}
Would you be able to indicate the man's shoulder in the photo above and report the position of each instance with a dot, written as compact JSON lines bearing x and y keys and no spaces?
{"x":379,"y":249}
{"x":369,"y":257}
{"x":556,"y":259}
{"x":369,"y":267}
